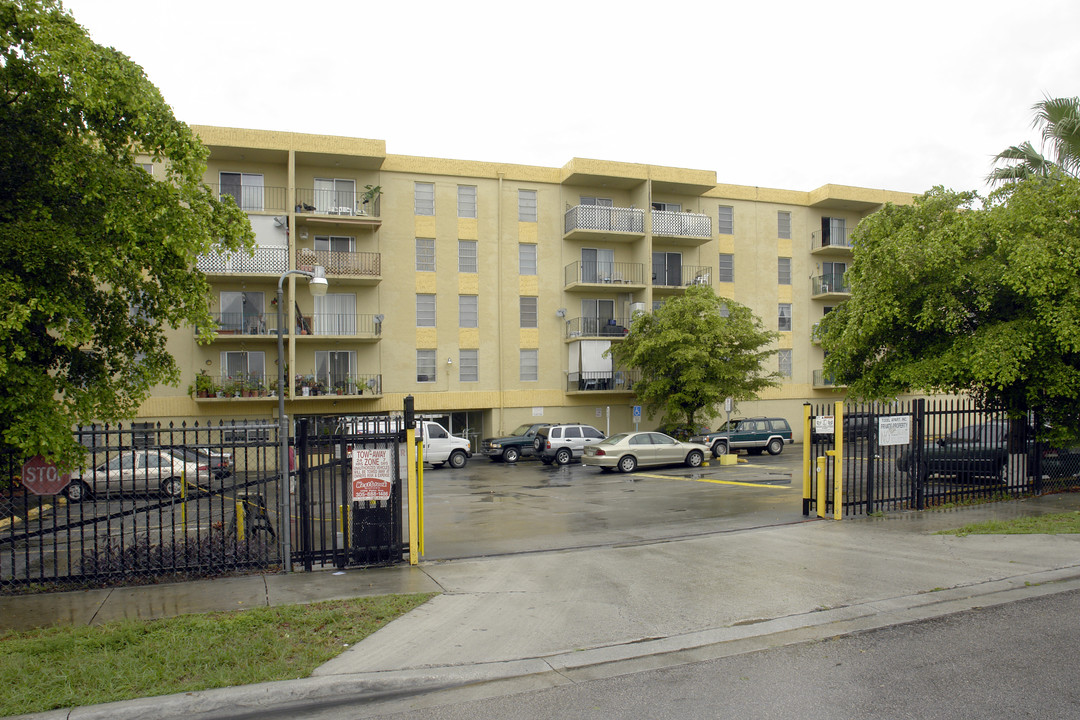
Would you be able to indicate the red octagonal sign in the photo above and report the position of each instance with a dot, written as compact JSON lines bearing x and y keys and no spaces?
{"x":41,"y":477}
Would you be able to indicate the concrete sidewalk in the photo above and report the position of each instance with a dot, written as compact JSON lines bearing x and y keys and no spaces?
{"x":536,"y":620}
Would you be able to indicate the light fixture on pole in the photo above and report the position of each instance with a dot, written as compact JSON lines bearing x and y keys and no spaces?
{"x":317,"y":283}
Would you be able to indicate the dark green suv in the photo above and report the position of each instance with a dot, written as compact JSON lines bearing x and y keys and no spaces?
{"x":514,"y":446}
{"x":750,"y":434}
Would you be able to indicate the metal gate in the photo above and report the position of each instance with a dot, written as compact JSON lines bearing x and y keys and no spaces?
{"x":331,"y":528}
{"x":921,"y":454}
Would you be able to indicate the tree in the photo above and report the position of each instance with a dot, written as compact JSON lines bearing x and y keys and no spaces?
{"x":96,"y":254}
{"x":1059,"y":120}
{"x":985,"y":302}
{"x":692,"y":356}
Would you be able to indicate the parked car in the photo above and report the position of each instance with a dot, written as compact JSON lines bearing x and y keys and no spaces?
{"x":751,"y":434}
{"x":857,"y":426}
{"x":979,"y":451}
{"x":219,"y":461}
{"x":562,"y":443}
{"x":510,"y":448}
{"x":628,"y":451}
{"x":137,"y":472}
{"x":440,"y":447}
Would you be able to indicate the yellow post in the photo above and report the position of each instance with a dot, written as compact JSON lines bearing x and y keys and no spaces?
{"x":240,"y":512}
{"x":420,"y":495}
{"x":838,"y":472}
{"x":822,"y":485}
{"x":806,"y":443}
{"x":414,"y":491}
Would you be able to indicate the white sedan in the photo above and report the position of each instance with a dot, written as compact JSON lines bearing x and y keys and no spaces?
{"x":628,"y":451}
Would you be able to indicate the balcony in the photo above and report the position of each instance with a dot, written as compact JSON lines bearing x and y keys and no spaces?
{"x":217,"y":387}
{"x":821,"y":380}
{"x":830,"y":287}
{"x":338,"y":206}
{"x":334,"y":385}
{"x":355,"y":268}
{"x":260,"y":198}
{"x":229,"y":387}
{"x":596,"y":222}
{"x":837,"y":242}
{"x":266,"y":261}
{"x":591,"y":276}
{"x":675,"y":279}
{"x":587,"y":328}
{"x":618,"y":381}
{"x":246,"y":325}
{"x":342,"y":325}
{"x":682,"y":228}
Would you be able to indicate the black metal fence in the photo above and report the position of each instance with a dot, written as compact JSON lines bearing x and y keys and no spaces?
{"x":928,"y":453}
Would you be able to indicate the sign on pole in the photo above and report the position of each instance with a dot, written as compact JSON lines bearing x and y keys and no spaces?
{"x":372,"y":474}
{"x":41,"y":477}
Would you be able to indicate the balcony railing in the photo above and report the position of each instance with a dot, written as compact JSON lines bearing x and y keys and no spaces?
{"x":234,"y":386}
{"x":316,"y":385}
{"x":253,"y":199}
{"x":837,"y":238}
{"x":829,"y":283}
{"x":345,"y":264}
{"x":607,"y":328}
{"x":265,"y":260}
{"x":683,"y":276}
{"x":348,"y":324}
{"x":617,"y":380}
{"x":598,"y":217}
{"x":245,"y":323}
{"x":590,"y":271}
{"x":336,"y":202}
{"x":681,"y":224}
{"x":821,"y":380}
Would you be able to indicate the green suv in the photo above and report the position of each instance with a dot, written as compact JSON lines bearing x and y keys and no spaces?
{"x":750,"y":434}
{"x":516,"y":445}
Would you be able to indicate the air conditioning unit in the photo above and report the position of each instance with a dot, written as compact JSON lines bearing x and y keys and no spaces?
{"x":636,"y":308}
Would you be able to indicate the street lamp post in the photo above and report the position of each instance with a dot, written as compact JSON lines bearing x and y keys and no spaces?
{"x":317,"y":284}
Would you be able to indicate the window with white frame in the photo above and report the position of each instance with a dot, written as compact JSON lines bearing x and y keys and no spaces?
{"x":466,"y":256}
{"x":527,"y":205}
{"x":528,"y":312}
{"x":526,"y":259}
{"x":783,"y":270}
{"x":725,"y":271}
{"x":336,"y":370}
{"x":424,"y":198}
{"x":468,"y":311}
{"x":335,"y":196}
{"x":148,"y":167}
{"x":725,"y":311}
{"x":243,"y":365}
{"x":425,"y":310}
{"x":243,"y":312}
{"x":530,"y":365}
{"x":425,"y":254}
{"x":598,"y":317}
{"x":726,"y":223}
{"x":335,"y":243}
{"x":335,"y":314}
{"x":425,"y":366}
{"x":466,"y":201}
{"x":783,"y":224}
{"x":469,"y":365}
{"x":783,"y":320}
{"x":783,"y":357}
{"x":245,"y":188}
{"x":666,"y":206}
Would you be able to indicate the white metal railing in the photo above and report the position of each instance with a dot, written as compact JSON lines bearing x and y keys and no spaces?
{"x":600,"y":217}
{"x":265,"y":260}
{"x":685,"y":224}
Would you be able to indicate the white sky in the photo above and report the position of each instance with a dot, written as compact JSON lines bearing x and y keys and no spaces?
{"x":793,"y":95}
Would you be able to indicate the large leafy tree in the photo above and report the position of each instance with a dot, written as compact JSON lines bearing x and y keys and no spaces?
{"x":96,"y":254}
{"x":1058,"y":120}
{"x":947,"y":296}
{"x":692,"y":354}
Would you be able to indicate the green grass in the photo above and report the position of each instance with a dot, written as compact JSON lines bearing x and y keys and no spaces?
{"x":62,"y":667}
{"x":1052,"y":524}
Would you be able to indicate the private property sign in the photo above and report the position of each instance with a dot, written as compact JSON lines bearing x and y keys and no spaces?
{"x":41,"y":477}
{"x":372,"y":474}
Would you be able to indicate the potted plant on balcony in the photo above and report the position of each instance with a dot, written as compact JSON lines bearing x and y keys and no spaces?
{"x":370,"y":194}
{"x":204,"y":385}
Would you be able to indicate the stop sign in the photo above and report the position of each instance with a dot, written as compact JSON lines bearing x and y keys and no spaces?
{"x":41,"y":477}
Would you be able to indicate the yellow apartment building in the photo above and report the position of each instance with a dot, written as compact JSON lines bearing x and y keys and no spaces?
{"x":487,"y":291}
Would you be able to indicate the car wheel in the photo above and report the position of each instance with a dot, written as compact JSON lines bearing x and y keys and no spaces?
{"x":77,"y":491}
{"x":776,"y":446}
{"x":511,"y":455}
{"x":627,"y":463}
{"x":564,"y":456}
{"x":694,"y":458}
{"x":173,"y":487}
{"x":719,"y":448}
{"x":457,"y":459}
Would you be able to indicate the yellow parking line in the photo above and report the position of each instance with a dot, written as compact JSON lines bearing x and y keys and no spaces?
{"x":714,"y":482}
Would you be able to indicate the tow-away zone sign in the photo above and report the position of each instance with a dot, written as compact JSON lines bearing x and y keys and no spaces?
{"x":372,"y":474}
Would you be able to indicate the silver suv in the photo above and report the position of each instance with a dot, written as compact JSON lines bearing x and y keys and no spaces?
{"x":563,"y":443}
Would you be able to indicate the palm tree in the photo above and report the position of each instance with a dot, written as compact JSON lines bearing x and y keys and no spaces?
{"x":1059,"y":119}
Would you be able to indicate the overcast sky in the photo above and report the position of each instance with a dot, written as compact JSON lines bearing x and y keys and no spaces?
{"x":793,"y":95}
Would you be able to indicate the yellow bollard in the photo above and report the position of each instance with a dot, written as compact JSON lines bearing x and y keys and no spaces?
{"x":822,"y":484}
{"x":420,"y":496}
{"x":240,"y":512}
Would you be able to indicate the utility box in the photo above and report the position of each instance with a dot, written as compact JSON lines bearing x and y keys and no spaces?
{"x":729,"y":459}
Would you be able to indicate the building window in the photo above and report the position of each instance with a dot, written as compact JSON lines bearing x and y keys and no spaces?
{"x":667,"y":207}
{"x":466,"y":201}
{"x":528,"y":312}
{"x":725,"y":311}
{"x":783,"y":224}
{"x":245,"y":188}
{"x":784,"y":317}
{"x":726,"y":224}
{"x":527,"y":205}
{"x":425,"y":310}
{"x":335,"y":196}
{"x":242,"y":365}
{"x":726,"y":270}
{"x":466,"y":256}
{"x":425,"y":366}
{"x":469,"y":365}
{"x":424,"y":199}
{"x":526,"y":259}
{"x":530,"y":365}
{"x":784,"y":358}
{"x":783,"y":270}
{"x":243,"y":312}
{"x":599,"y":201}
{"x":468,"y":311}
{"x":148,"y":167}
{"x":335,"y":369}
{"x":425,"y":254}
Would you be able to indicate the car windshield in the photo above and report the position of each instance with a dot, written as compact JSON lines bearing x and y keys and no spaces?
{"x":616,"y":439}
{"x":729,"y":425}
{"x":521,"y":430}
